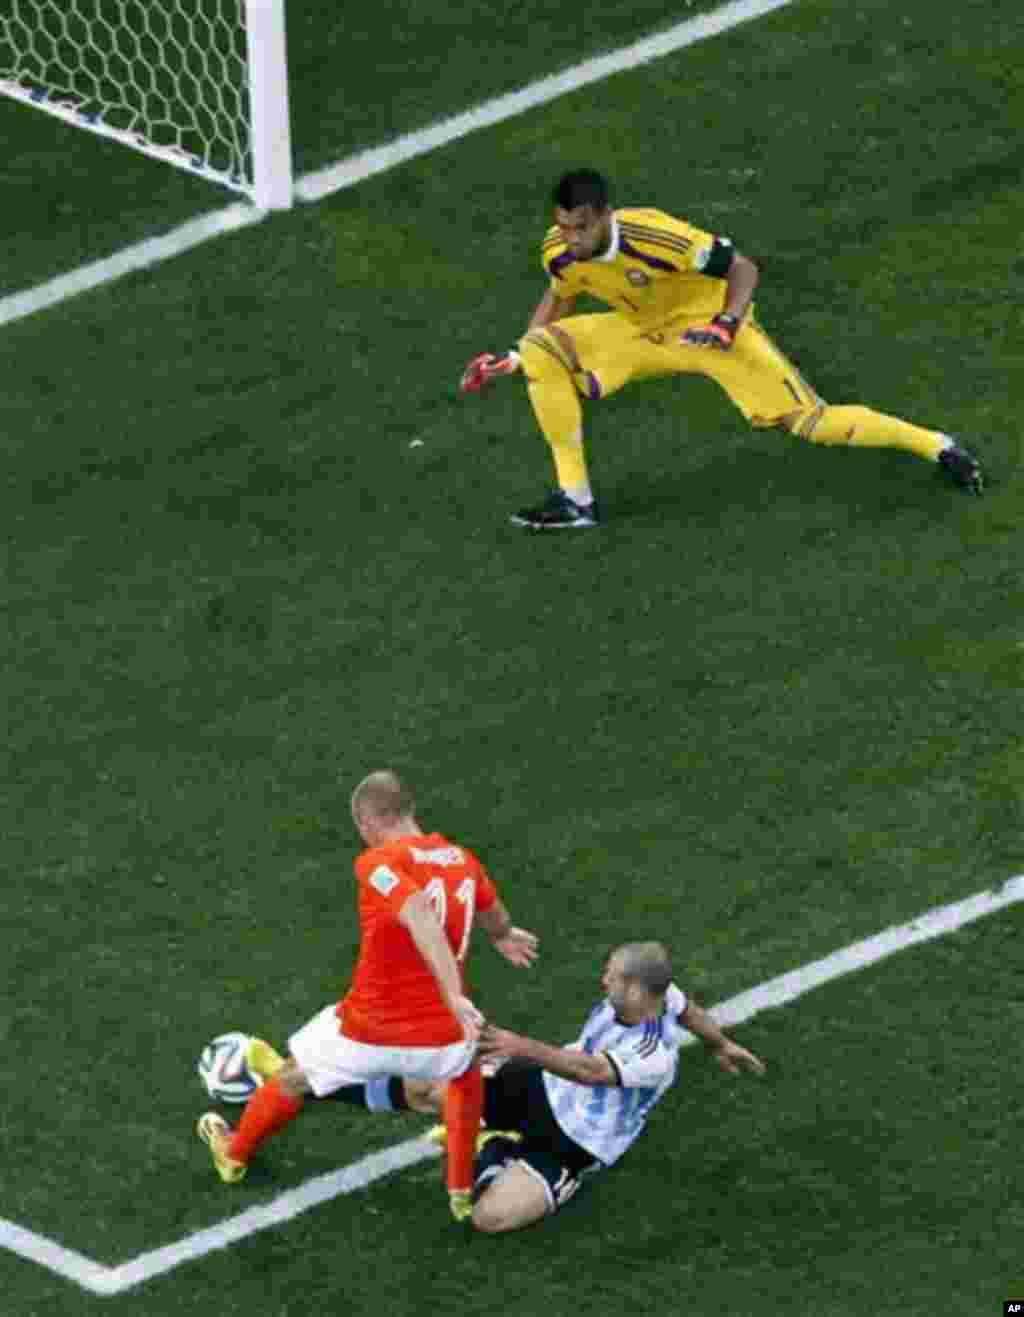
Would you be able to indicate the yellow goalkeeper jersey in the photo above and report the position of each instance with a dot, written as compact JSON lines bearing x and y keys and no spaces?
{"x":653,"y":271}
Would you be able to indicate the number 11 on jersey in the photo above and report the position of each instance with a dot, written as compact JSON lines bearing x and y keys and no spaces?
{"x":465,"y":895}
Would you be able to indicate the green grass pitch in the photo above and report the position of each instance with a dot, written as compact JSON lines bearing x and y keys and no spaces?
{"x":771,"y":707}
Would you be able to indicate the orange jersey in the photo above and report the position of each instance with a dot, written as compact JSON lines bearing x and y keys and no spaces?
{"x":394,"y":999}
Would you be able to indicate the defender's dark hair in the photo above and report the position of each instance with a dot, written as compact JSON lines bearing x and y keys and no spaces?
{"x":581,"y":187}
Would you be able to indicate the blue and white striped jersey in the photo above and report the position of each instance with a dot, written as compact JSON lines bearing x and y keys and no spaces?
{"x":606,"y":1119}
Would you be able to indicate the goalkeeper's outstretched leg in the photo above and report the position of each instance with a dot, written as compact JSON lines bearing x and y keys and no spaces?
{"x":764,"y":384}
{"x":861,"y":427}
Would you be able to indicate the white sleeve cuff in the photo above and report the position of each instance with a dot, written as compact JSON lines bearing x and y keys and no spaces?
{"x":675,"y":999}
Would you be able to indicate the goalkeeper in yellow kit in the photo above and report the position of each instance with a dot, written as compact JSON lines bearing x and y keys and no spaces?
{"x":681,"y":304}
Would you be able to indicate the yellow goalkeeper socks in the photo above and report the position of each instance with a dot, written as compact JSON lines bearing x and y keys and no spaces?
{"x":556,"y":405}
{"x":860,"y":427}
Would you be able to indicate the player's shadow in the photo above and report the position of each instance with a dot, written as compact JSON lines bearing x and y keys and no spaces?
{"x":758,"y":483}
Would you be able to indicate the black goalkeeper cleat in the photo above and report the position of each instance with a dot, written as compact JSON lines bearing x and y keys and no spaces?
{"x":558,"y":512}
{"x":963,"y":468}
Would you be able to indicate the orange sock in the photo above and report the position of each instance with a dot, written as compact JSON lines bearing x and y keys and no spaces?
{"x":463,"y":1107}
{"x":267,"y":1111}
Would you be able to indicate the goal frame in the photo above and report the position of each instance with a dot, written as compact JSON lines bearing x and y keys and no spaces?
{"x":272,"y":184}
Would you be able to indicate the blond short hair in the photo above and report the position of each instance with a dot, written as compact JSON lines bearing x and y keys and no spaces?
{"x":384,"y":797}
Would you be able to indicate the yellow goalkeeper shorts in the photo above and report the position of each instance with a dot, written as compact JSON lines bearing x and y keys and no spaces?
{"x":761,"y":381}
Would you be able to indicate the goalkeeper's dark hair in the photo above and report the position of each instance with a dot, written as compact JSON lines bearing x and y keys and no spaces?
{"x":581,"y":187}
{"x":648,"y":964}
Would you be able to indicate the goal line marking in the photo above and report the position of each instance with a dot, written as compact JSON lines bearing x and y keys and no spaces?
{"x":140,"y":256}
{"x":366,"y":164}
{"x":773,"y":993}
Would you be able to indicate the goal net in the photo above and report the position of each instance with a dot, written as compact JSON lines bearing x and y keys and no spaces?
{"x":201,"y":84}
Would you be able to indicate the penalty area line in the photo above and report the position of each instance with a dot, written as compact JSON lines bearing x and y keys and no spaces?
{"x":100,"y":1279}
{"x":283,"y":1208}
{"x":773,"y":993}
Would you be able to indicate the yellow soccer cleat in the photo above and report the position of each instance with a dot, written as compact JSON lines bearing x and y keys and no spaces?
{"x":215,"y":1132}
{"x":485,"y":1136}
{"x":263,"y":1061}
{"x":439,"y":1134}
{"x":461,"y":1203}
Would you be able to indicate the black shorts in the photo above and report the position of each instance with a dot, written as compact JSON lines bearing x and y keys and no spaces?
{"x":515,"y":1099}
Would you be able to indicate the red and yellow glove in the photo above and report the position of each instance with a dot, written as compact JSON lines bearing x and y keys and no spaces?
{"x":485,"y":369}
{"x":719,"y":334}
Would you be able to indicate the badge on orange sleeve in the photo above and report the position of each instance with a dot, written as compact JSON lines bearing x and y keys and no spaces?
{"x":383,"y":880}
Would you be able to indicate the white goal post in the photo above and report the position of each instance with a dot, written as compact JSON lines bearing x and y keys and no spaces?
{"x":201,"y":84}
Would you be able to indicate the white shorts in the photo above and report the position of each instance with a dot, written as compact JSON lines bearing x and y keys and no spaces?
{"x":331,"y":1061}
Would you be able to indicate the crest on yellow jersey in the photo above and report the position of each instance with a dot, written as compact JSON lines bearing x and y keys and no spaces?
{"x":638,"y":278}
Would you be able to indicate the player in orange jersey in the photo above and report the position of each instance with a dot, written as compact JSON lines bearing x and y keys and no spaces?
{"x":406,"y":1013}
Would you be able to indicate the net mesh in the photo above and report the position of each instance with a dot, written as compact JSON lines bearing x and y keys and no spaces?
{"x":168,"y":76}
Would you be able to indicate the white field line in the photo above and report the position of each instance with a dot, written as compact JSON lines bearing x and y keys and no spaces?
{"x":138,"y":257}
{"x":775,"y":992}
{"x":101,"y":1279}
{"x":365,"y":164}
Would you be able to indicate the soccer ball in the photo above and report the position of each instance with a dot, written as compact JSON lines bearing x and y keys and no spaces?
{"x":223,"y":1070}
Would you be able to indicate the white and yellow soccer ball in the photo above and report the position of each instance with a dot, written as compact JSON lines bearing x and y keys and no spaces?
{"x":223,"y":1068}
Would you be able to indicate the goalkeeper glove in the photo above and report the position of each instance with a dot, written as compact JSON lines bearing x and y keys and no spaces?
{"x":719,"y":334}
{"x":486,"y":368}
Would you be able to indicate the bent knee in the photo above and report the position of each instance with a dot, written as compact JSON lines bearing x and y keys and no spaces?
{"x":550,"y":353}
{"x":540,"y":350}
{"x":513,"y":1200}
{"x":804,"y":423}
{"x":491,"y":1219}
{"x":566,"y":345}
